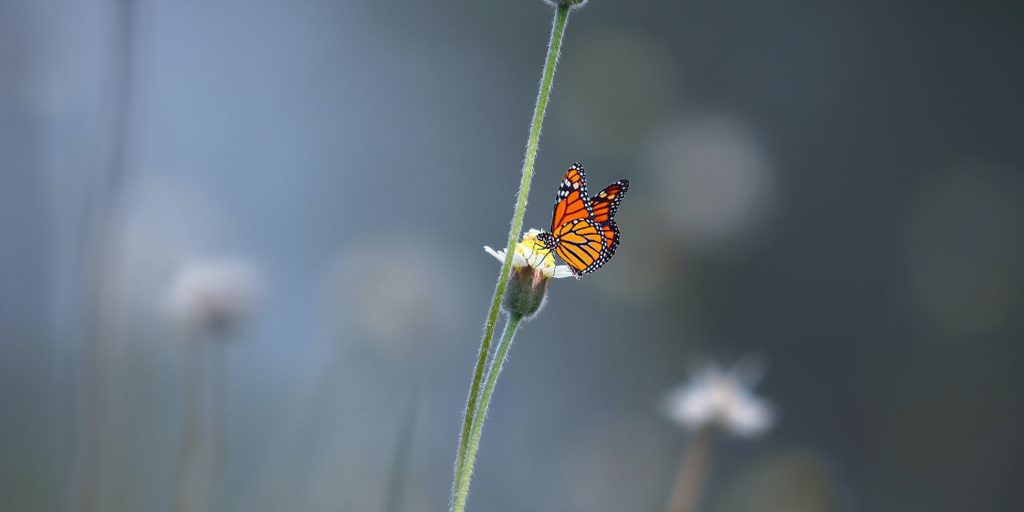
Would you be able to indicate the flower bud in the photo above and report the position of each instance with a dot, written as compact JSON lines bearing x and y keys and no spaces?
{"x":533,"y":266}
{"x":525,"y":293}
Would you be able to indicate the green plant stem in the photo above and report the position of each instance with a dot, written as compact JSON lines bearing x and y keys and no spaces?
{"x":547,"y":78}
{"x":462,"y":484}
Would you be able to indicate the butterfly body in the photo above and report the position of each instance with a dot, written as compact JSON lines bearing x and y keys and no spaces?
{"x":583,"y":230}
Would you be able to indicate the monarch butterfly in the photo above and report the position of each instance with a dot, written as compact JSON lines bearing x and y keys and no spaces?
{"x":583,"y":230}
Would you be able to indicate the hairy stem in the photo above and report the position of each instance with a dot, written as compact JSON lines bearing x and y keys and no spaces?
{"x":462,"y":484}
{"x":547,"y":78}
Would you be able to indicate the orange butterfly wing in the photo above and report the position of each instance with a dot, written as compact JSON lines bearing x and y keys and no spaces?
{"x":606,"y":202}
{"x":611,"y":239}
{"x":583,"y":230}
{"x":582,"y":245}
{"x":571,"y":201}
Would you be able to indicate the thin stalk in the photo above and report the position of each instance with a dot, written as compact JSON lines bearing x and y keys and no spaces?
{"x":187,"y":496}
{"x":692,"y":471}
{"x":217,"y":431}
{"x":543,"y":94}
{"x":197,"y":482}
{"x":94,"y":405}
{"x":398,"y":482}
{"x":462,"y":484}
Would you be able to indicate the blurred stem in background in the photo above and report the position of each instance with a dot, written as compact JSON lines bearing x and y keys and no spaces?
{"x":463,"y":458}
{"x":692,"y":471}
{"x":95,"y":385}
{"x":400,"y":466}
{"x":197,"y":481}
{"x":209,"y":298}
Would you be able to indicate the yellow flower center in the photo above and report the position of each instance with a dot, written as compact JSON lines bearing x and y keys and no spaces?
{"x":534,"y":251}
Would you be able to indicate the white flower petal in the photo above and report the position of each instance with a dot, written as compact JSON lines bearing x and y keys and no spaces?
{"x":500,"y":255}
{"x":689,"y":407}
{"x":528,"y":254}
{"x":561,"y":271}
{"x":749,"y":417}
{"x":519,"y":261}
{"x":719,"y":398}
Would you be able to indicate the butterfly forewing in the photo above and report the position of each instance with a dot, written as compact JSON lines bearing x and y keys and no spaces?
{"x":571,"y":201}
{"x":606,"y":202}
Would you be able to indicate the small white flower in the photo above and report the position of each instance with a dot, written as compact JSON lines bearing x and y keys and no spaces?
{"x":211,"y":296}
{"x":721,"y":399}
{"x":532,"y":253}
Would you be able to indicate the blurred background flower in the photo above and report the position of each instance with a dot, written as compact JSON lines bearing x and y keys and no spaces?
{"x":836,"y":186}
{"x":714,"y":182}
{"x":209,"y":298}
{"x":712,"y":402}
{"x":718,"y":399}
{"x":213,"y":296}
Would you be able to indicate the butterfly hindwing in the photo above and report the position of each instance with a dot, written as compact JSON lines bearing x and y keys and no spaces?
{"x":582,"y":245}
{"x":611,"y":239}
{"x":571,"y":201}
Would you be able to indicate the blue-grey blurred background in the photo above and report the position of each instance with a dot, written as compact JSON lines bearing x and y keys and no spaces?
{"x":834,"y":188}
